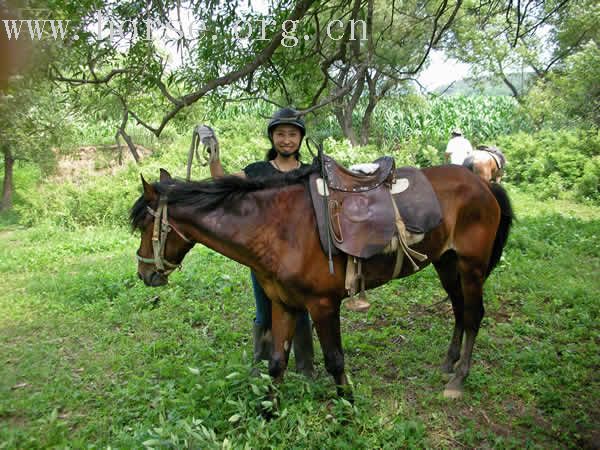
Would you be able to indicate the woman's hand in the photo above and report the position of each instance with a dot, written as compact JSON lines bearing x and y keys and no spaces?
{"x":210,"y":142}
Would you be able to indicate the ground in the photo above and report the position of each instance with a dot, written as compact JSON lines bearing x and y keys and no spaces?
{"x":91,"y":357}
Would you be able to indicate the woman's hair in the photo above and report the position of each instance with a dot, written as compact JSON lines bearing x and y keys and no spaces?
{"x":272,"y":154}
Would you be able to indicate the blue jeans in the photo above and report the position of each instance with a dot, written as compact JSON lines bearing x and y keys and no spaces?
{"x":263,"y":307}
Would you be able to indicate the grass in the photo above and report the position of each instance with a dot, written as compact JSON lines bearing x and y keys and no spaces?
{"x":92,"y":358}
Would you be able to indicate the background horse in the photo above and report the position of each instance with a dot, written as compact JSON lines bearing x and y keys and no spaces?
{"x":269,"y":225}
{"x":488,"y":162}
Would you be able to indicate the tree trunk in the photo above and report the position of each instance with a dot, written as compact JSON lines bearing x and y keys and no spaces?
{"x":121,"y":131}
{"x":344,"y":118}
{"x":374,"y":97}
{"x":344,"y":111}
{"x":365,"y":129}
{"x":7,"y":188}
{"x":131,"y":145}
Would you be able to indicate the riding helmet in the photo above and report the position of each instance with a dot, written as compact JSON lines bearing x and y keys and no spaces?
{"x":287,"y":116}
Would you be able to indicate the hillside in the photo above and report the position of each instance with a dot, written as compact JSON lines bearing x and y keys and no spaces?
{"x":492,"y":86}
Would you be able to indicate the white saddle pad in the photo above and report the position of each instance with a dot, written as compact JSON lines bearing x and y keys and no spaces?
{"x":365,"y":168}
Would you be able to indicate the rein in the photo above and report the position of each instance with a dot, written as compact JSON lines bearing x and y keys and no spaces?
{"x":161,"y":229}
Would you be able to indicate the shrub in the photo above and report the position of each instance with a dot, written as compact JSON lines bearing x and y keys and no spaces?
{"x":588,"y":187}
{"x":552,"y":162}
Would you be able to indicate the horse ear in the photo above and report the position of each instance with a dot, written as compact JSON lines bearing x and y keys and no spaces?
{"x":149,"y":191}
{"x":165,"y":176}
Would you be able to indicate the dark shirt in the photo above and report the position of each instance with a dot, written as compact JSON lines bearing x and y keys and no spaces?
{"x":263,"y":169}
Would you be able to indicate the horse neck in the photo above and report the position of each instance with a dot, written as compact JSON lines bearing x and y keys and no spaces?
{"x":248,"y":228}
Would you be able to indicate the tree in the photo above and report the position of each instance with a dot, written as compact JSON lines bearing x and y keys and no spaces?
{"x":570,"y":96}
{"x":32,"y":118}
{"x":532,"y":36}
{"x":33,"y":123}
{"x":267,"y":57}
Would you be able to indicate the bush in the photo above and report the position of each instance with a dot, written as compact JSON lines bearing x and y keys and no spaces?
{"x":588,"y":187}
{"x":552,"y":162}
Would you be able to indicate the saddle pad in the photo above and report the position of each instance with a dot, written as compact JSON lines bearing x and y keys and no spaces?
{"x":418,"y":205}
{"x":364,"y":168}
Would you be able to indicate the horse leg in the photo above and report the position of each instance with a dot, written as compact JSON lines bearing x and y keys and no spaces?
{"x":326,"y":317}
{"x":447,"y":270}
{"x":472,"y":276}
{"x":283,"y":325}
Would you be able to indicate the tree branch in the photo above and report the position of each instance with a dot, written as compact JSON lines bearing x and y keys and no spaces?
{"x":230,"y":78}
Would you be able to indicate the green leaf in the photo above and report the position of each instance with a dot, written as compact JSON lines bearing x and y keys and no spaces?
{"x":235,"y":418}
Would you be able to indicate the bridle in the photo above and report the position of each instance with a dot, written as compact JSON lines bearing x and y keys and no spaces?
{"x":161,"y":229}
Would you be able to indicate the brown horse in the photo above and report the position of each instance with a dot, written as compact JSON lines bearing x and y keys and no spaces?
{"x":488,"y":162}
{"x":269,"y":225}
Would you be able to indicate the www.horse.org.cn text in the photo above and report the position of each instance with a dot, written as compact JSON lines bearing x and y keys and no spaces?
{"x":256,"y":29}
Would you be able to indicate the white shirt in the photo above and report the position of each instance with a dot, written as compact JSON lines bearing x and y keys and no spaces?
{"x":458,"y":148}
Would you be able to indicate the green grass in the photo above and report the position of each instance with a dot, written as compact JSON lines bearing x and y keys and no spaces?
{"x":92,"y":358}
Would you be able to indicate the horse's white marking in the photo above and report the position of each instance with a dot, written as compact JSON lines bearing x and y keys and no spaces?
{"x":286,"y":346}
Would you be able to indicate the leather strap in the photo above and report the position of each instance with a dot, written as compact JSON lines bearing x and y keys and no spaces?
{"x":160,"y":230}
{"x":403,"y":246}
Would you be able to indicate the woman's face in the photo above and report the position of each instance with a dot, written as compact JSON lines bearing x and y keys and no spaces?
{"x":286,"y":139}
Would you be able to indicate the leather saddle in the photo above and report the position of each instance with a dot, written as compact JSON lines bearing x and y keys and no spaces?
{"x":360,"y":209}
{"x":363,"y":215}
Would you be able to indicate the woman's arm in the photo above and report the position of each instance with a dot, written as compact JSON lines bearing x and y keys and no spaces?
{"x":216,"y":170}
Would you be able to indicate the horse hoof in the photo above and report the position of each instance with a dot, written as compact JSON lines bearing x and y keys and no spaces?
{"x":453,"y":393}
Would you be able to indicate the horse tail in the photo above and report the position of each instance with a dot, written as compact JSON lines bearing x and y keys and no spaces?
{"x":506,"y":220}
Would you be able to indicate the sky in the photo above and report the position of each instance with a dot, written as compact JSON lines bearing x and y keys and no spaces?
{"x":442,"y":71}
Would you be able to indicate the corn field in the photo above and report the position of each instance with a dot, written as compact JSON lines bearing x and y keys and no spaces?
{"x":430,"y":121}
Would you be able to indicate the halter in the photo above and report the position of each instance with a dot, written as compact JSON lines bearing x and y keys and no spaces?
{"x":159,"y":239}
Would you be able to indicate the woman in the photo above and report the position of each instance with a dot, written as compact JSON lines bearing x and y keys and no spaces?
{"x":286,"y":131}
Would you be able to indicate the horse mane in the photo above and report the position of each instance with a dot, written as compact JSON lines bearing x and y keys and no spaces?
{"x":206,"y":195}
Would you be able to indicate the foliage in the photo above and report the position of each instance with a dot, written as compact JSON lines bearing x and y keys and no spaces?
{"x":34,"y":121}
{"x":495,"y":47}
{"x":413,"y":129}
{"x":431,"y":119}
{"x":552,"y":163}
{"x":570,"y":97}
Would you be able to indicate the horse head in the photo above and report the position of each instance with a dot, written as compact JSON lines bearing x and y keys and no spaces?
{"x":163,"y":245}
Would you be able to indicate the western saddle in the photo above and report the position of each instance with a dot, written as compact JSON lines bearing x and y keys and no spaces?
{"x":357,"y":215}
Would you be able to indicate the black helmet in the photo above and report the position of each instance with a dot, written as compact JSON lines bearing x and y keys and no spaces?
{"x":287,"y":116}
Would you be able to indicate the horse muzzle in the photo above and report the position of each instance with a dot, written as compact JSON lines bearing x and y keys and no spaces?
{"x":154,"y":279}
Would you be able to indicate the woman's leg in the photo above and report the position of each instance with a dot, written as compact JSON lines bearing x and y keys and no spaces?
{"x":263,"y":304}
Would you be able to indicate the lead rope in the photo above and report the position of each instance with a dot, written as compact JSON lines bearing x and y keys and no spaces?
{"x":205,"y":135}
